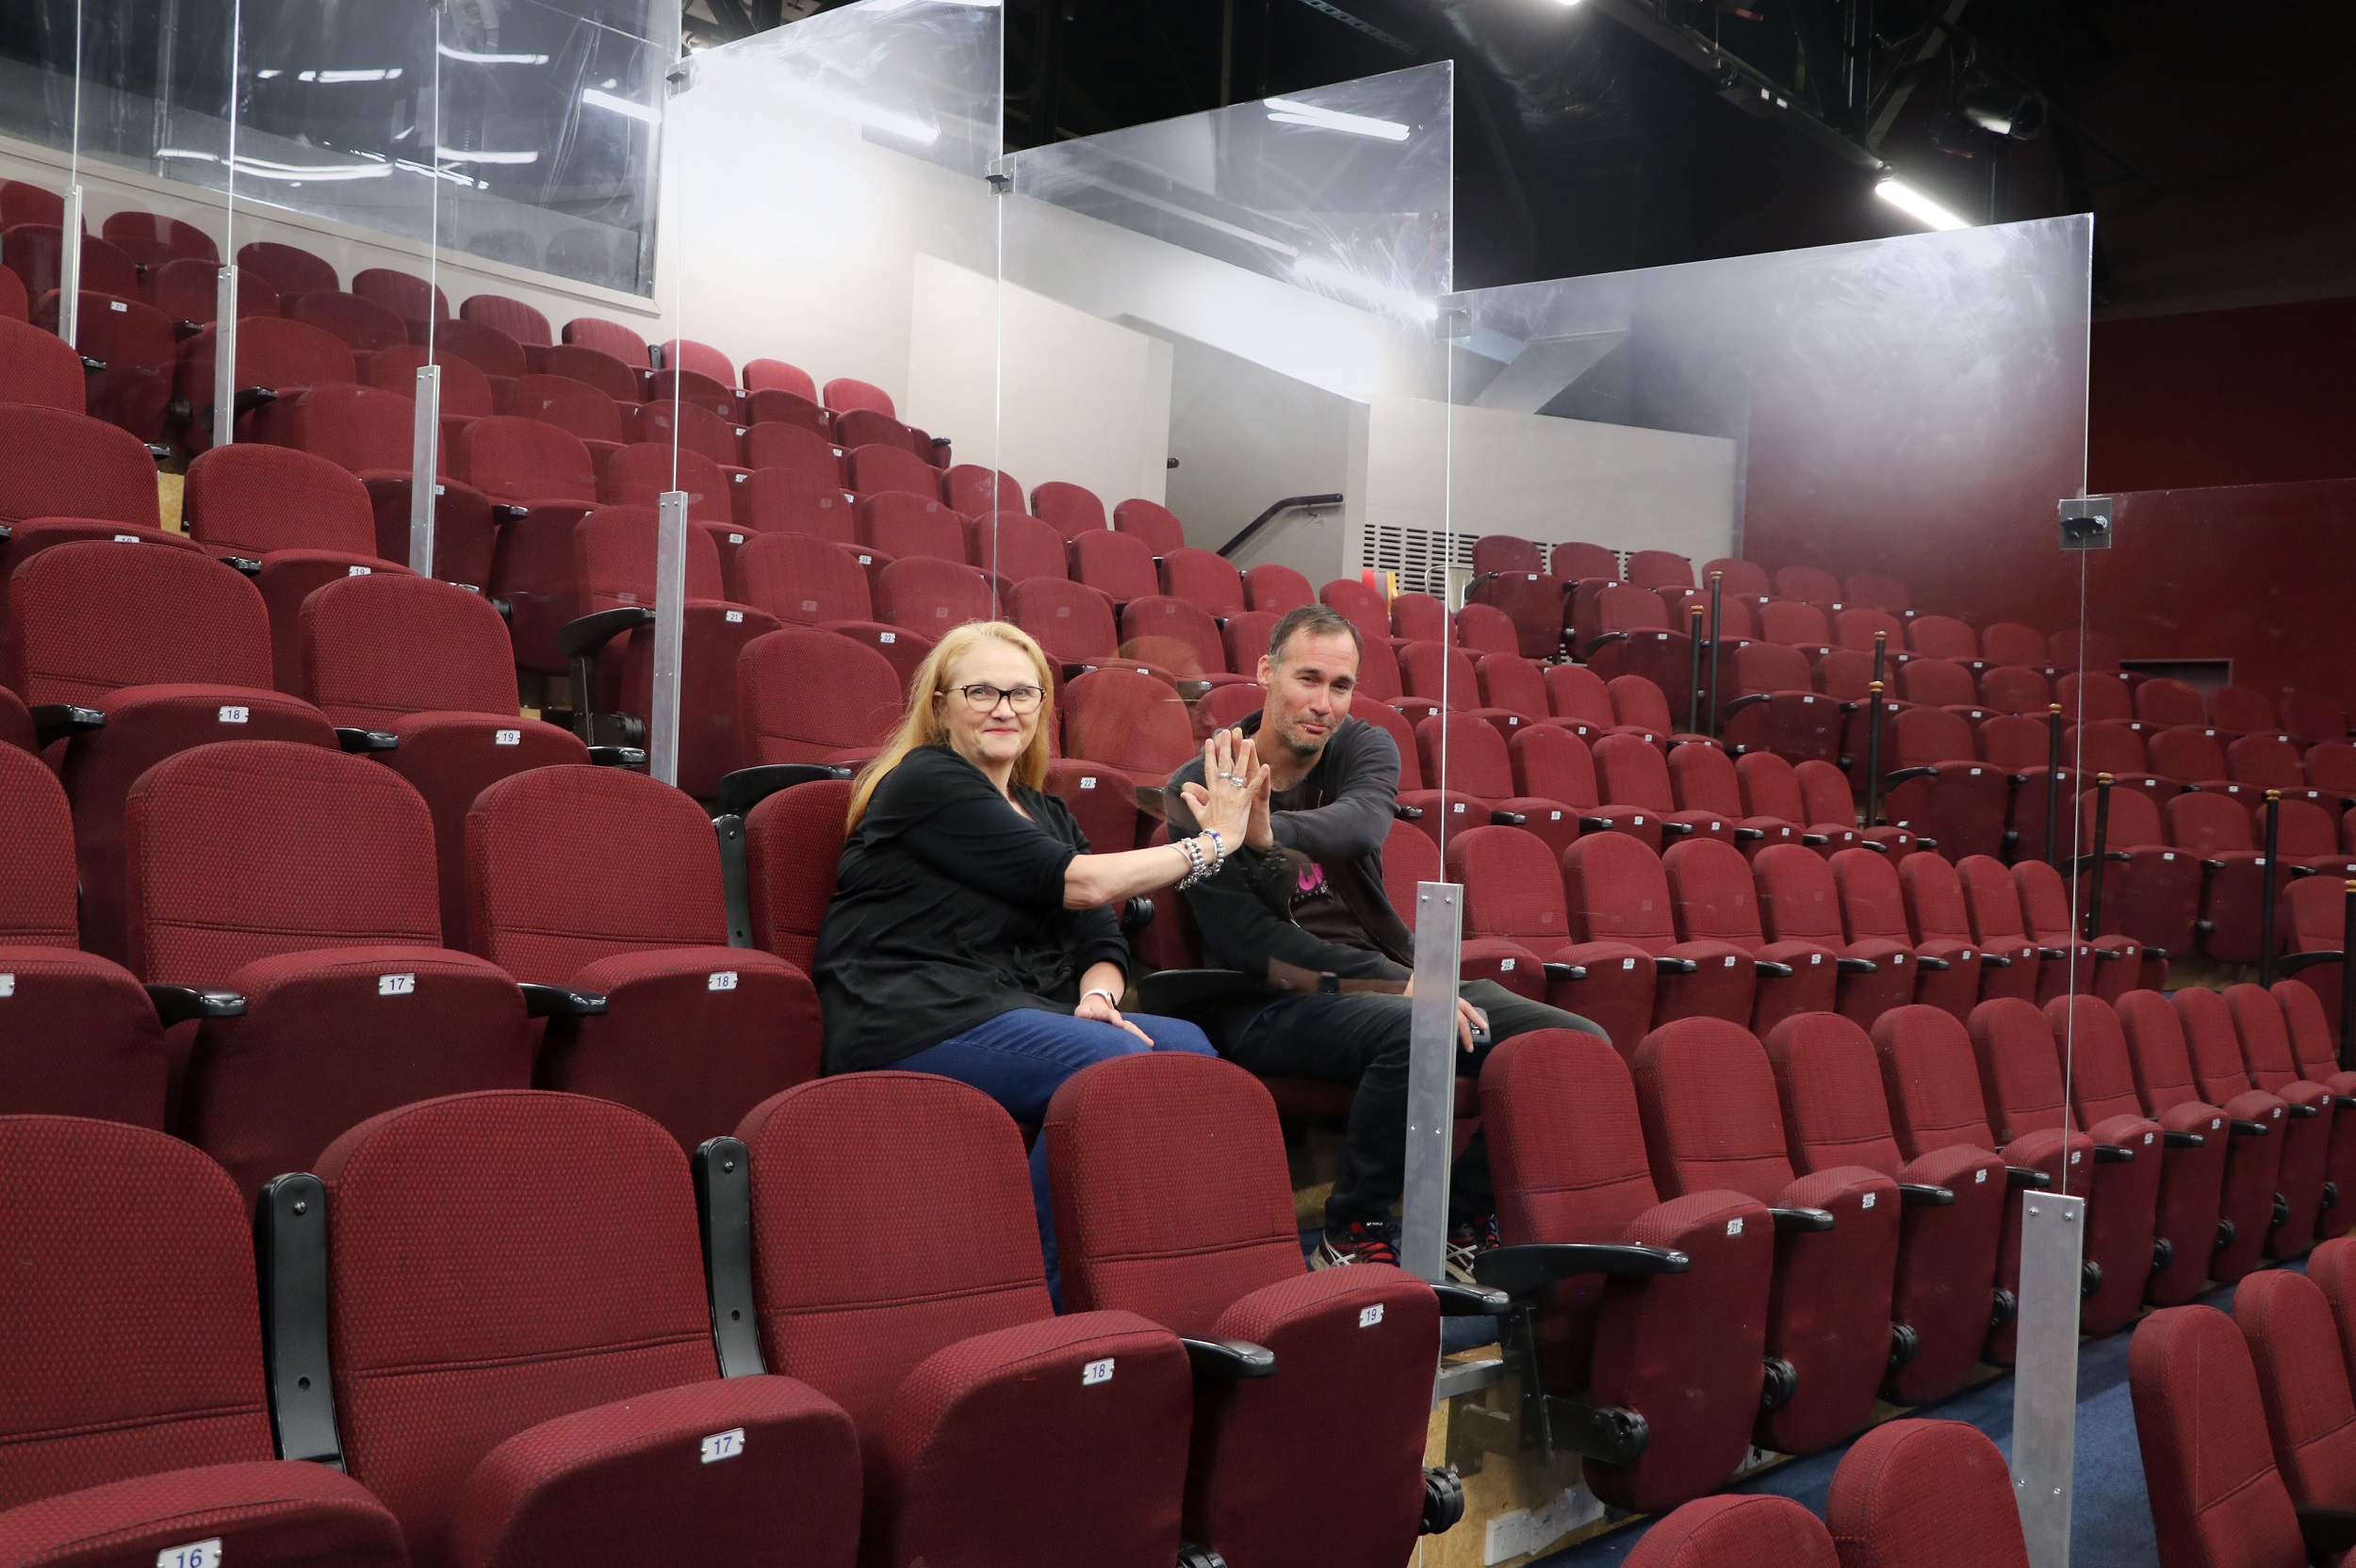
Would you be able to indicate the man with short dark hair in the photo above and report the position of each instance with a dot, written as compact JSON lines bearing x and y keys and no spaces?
{"x":1304,"y":897}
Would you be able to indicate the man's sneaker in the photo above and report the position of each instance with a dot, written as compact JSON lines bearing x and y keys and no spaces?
{"x":1466,"y":1240}
{"x":1360,"y":1241}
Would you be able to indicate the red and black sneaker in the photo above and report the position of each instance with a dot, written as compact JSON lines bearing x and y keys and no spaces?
{"x":1466,"y":1240}
{"x":1360,"y":1241}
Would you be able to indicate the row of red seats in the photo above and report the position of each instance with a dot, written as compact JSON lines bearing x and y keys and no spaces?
{"x":1575,"y":560}
{"x":605,"y":1348}
{"x":2244,"y":1421}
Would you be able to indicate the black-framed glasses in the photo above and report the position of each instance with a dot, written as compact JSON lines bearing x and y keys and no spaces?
{"x":984,"y":698}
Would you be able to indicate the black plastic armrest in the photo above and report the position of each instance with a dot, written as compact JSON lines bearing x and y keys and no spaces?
{"x":1768,"y":969}
{"x":1677,"y":829}
{"x":2326,"y":1532}
{"x":2210,"y":865}
{"x":2242,"y":1127}
{"x":1936,"y":966}
{"x":245,"y":564}
{"x":2113,"y":1153}
{"x":1075,"y":671}
{"x":1998,"y":959}
{"x":2299,"y":871}
{"x":2305,"y":1110}
{"x":55,"y":721}
{"x":93,"y":367}
{"x":2343,"y":1102}
{"x":2051,"y":953}
{"x":1812,"y":839}
{"x":1405,"y":812}
{"x":1594,"y":825}
{"x":1749,"y":835}
{"x":1506,"y":819}
{"x":746,"y":788}
{"x":1564,"y":972}
{"x":586,"y":634}
{"x":1525,"y":1270}
{"x":1857,"y":965}
{"x":366,"y":740}
{"x":1875,"y":844}
{"x":617,"y":757}
{"x":723,"y":1201}
{"x":248,"y":399}
{"x":1923,"y":1195}
{"x":1891,"y":780}
{"x":1675,"y":966}
{"x":1788,"y":1220}
{"x":509,"y":512}
{"x":561,"y":1002}
{"x":2290,"y":963}
{"x":2107,"y":954}
{"x":291,"y":1239}
{"x":1607,"y":637}
{"x":1470,"y":1301}
{"x":1170,"y":991}
{"x":2176,"y":1137}
{"x":2027,"y":1176}
{"x":1232,"y":1359}
{"x":181,"y":1004}
{"x":1730,"y":708}
{"x":157,"y":451}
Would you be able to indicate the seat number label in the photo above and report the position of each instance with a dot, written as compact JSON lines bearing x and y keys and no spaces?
{"x":395,"y":984}
{"x":196,"y":1554}
{"x":1867,"y":1201}
{"x":128,"y":539}
{"x":722,"y":980}
{"x":1734,"y":1227}
{"x":507,"y":738}
{"x":735,"y":615}
{"x":1730,"y":960}
{"x":2073,"y":1155}
{"x":1979,"y":1178}
{"x":7,"y":984}
{"x":1097,"y":1372}
{"x":1369,"y":1317}
{"x":888,"y":637}
{"x":1089,"y":783}
{"x":235,"y":715}
{"x":727,"y":1444}
{"x":1504,"y":964}
{"x":1628,"y":963}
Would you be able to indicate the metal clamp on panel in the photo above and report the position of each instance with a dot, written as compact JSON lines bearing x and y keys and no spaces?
{"x":724,"y":1199}
{"x":291,"y":1240}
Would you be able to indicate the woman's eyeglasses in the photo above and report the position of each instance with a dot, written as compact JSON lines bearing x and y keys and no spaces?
{"x":985,"y":698}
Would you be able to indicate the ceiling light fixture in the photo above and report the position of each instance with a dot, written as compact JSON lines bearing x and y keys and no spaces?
{"x":336,"y":78}
{"x":470,"y":58}
{"x":1918,"y":206}
{"x":1291,"y":111}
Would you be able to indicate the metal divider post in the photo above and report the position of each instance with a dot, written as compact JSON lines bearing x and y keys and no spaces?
{"x":425,"y":468}
{"x":1431,"y":1081}
{"x":670,"y":627}
{"x":2267,"y":882}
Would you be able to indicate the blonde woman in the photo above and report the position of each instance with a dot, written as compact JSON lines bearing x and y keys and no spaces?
{"x":972,"y":932}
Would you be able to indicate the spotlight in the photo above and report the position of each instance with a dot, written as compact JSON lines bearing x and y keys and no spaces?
{"x":2003,"y":112}
{"x":1918,"y":206}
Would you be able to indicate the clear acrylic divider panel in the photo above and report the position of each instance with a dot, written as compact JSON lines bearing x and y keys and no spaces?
{"x":828,"y":326}
{"x":1220,"y":388}
{"x":1757,"y":488}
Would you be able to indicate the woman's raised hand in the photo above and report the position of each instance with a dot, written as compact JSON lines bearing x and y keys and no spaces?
{"x":1235,"y":780}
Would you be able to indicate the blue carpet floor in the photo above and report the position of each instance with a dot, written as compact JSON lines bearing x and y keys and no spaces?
{"x":2110,"y":1518}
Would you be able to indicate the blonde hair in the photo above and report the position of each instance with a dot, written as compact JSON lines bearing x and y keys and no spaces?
{"x":923,"y":724}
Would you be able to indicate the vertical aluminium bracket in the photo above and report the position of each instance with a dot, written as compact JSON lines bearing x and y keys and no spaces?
{"x":69,"y":269}
{"x":425,"y":468}
{"x":1431,"y":1080}
{"x":2045,"y":1371}
{"x":670,"y":627}
{"x":226,"y":356}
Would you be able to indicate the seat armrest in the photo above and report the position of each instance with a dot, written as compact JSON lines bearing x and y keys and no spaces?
{"x":1170,"y":991}
{"x":245,"y":564}
{"x":1921,"y":1195}
{"x":2241,"y":1127}
{"x":1729,"y":709}
{"x":1594,"y":825}
{"x":183,"y":1003}
{"x":1470,"y":1301}
{"x":1749,"y":835}
{"x":1406,"y":813}
{"x":2109,"y":955}
{"x":2290,"y":963}
{"x":1812,"y":839}
{"x":1607,"y":638}
{"x":2326,"y":1531}
{"x":1676,"y":829}
{"x":2050,"y":953}
{"x":1675,"y":966}
{"x":1998,"y":959}
{"x":2113,"y":1153}
{"x":247,"y":398}
{"x":746,"y":788}
{"x":509,"y":512}
{"x":2176,"y":1137}
{"x":55,"y":721}
{"x":366,"y":740}
{"x":1857,"y":965}
{"x":1891,"y":780}
{"x":1936,"y":966}
{"x":561,"y":1002}
{"x":2304,"y":1110}
{"x":617,"y":757}
{"x":1564,"y":972}
{"x":1789,"y":1220}
{"x":290,"y":1241}
{"x":1233,"y":1359}
{"x":583,"y":636}
{"x":2026,"y":1176}
{"x":1768,"y":969}
{"x":1508,"y":819}
{"x":724,"y":1204}
{"x":1525,"y":1270}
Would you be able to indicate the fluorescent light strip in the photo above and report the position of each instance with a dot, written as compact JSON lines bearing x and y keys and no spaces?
{"x":262,"y":169}
{"x":334,"y":78}
{"x":596,"y":99}
{"x":1291,"y":111}
{"x":470,"y":58}
{"x":1918,"y":206}
{"x":459,"y":154}
{"x":1380,"y":296}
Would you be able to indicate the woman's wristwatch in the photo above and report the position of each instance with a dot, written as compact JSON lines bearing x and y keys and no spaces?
{"x":1111,"y":997}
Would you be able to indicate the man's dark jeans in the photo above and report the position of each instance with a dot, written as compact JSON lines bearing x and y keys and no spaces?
{"x":1362,"y":1039}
